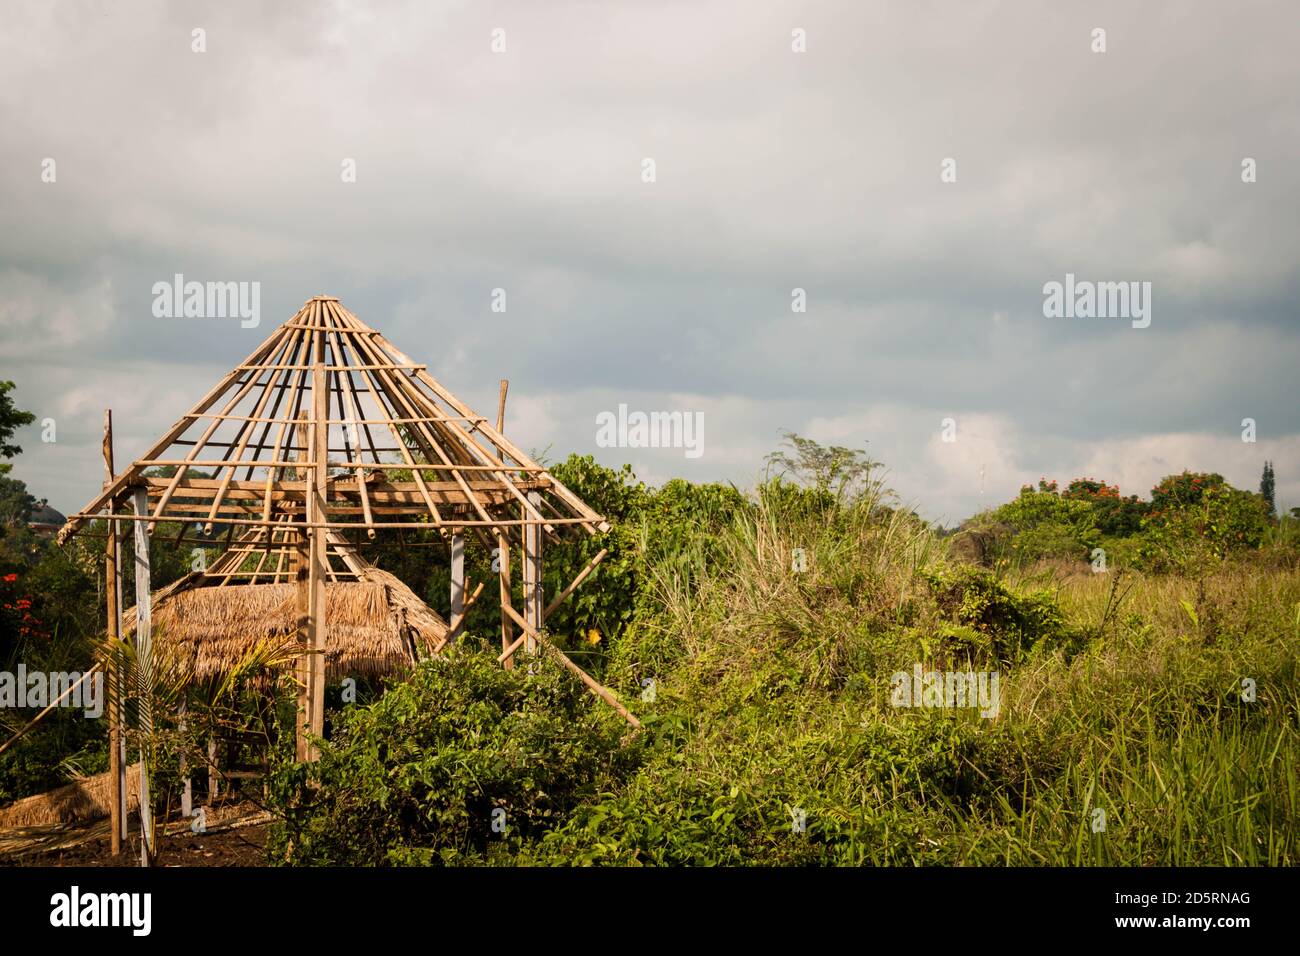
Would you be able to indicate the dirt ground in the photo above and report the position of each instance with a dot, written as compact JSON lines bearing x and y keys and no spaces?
{"x":238,"y":839}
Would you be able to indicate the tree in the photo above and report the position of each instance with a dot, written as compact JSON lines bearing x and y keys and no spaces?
{"x":11,"y":419}
{"x":15,"y":504}
{"x":1266,"y":489}
{"x":1197,"y":518}
{"x":835,"y":470}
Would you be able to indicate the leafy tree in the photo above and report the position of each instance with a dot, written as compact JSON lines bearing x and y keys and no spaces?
{"x":11,"y":419}
{"x":1197,"y":519}
{"x":15,"y":503}
{"x":1113,"y":514}
{"x":836,"y":470}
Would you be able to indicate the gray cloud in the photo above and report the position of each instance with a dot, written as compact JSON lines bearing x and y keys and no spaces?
{"x":775,"y":170}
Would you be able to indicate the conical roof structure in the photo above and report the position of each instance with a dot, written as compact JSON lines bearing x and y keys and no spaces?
{"x":328,"y":409}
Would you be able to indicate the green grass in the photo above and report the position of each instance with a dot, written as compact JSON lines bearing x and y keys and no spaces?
{"x":772,"y":694}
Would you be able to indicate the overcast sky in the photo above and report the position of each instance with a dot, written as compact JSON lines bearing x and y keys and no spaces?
{"x":774,"y":170}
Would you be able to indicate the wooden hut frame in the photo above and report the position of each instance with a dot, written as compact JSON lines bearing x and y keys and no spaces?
{"x":327,"y":430}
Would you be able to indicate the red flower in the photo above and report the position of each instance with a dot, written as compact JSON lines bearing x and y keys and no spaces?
{"x":11,"y":578}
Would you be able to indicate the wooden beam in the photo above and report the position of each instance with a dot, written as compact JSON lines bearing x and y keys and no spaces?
{"x":514,"y":646}
{"x":318,"y":629}
{"x":604,"y":693}
{"x":501,"y":413}
{"x":301,"y":568}
{"x":573,"y":586}
{"x":532,"y":571}
{"x":112,"y":633}
{"x":213,"y":776}
{"x":187,"y":789}
{"x":457,"y":585}
{"x":119,"y":484}
{"x":144,"y":667}
{"x":52,"y":706}
{"x":503,"y":558}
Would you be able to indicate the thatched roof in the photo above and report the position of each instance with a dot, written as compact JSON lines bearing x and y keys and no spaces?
{"x":373,"y":625}
{"x":87,"y":798}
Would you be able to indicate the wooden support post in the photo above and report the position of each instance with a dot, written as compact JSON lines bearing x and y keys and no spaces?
{"x":300,"y":562}
{"x":503,"y":563}
{"x":319,"y":541}
{"x":144,"y":666}
{"x":116,"y":766}
{"x":532,"y":570}
{"x":121,"y":695}
{"x":187,"y":791}
{"x":213,"y":777}
{"x":309,"y":572}
{"x":457,"y":585}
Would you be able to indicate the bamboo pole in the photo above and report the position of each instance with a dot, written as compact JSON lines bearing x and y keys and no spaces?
{"x":116,"y":766}
{"x":301,"y":561}
{"x":532,"y":573}
{"x":380,"y":386}
{"x":118,"y":624}
{"x":509,"y":651}
{"x":187,"y":785}
{"x":501,"y":413}
{"x":319,"y":558}
{"x":507,"y":631}
{"x":592,"y":684}
{"x":573,"y":586}
{"x":144,"y":667}
{"x":163,"y":443}
{"x":594,"y":524}
{"x":459,"y":437}
{"x":213,"y":778}
{"x":53,"y":704}
{"x":457,"y":585}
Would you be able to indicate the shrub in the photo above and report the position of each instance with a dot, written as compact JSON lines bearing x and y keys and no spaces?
{"x":416,"y":776}
{"x":993,"y":619}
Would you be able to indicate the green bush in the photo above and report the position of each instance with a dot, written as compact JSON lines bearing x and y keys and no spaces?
{"x":417,"y":776}
{"x":992,"y":619}
{"x":1197,"y":520}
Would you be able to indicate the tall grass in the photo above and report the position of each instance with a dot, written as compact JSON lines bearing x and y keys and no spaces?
{"x":774,"y":698}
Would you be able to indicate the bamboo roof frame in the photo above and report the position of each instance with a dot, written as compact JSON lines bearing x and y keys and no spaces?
{"x":384,"y":414}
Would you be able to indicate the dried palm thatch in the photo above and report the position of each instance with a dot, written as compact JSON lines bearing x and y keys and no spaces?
{"x":84,"y":799}
{"x":375,"y":626}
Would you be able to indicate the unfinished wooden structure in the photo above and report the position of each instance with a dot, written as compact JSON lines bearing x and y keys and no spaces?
{"x":324,"y":438}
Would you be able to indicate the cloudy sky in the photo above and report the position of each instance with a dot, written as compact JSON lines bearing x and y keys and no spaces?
{"x":523,"y":170}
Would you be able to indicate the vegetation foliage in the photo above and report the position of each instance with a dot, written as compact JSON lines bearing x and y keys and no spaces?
{"x":756,"y":634}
